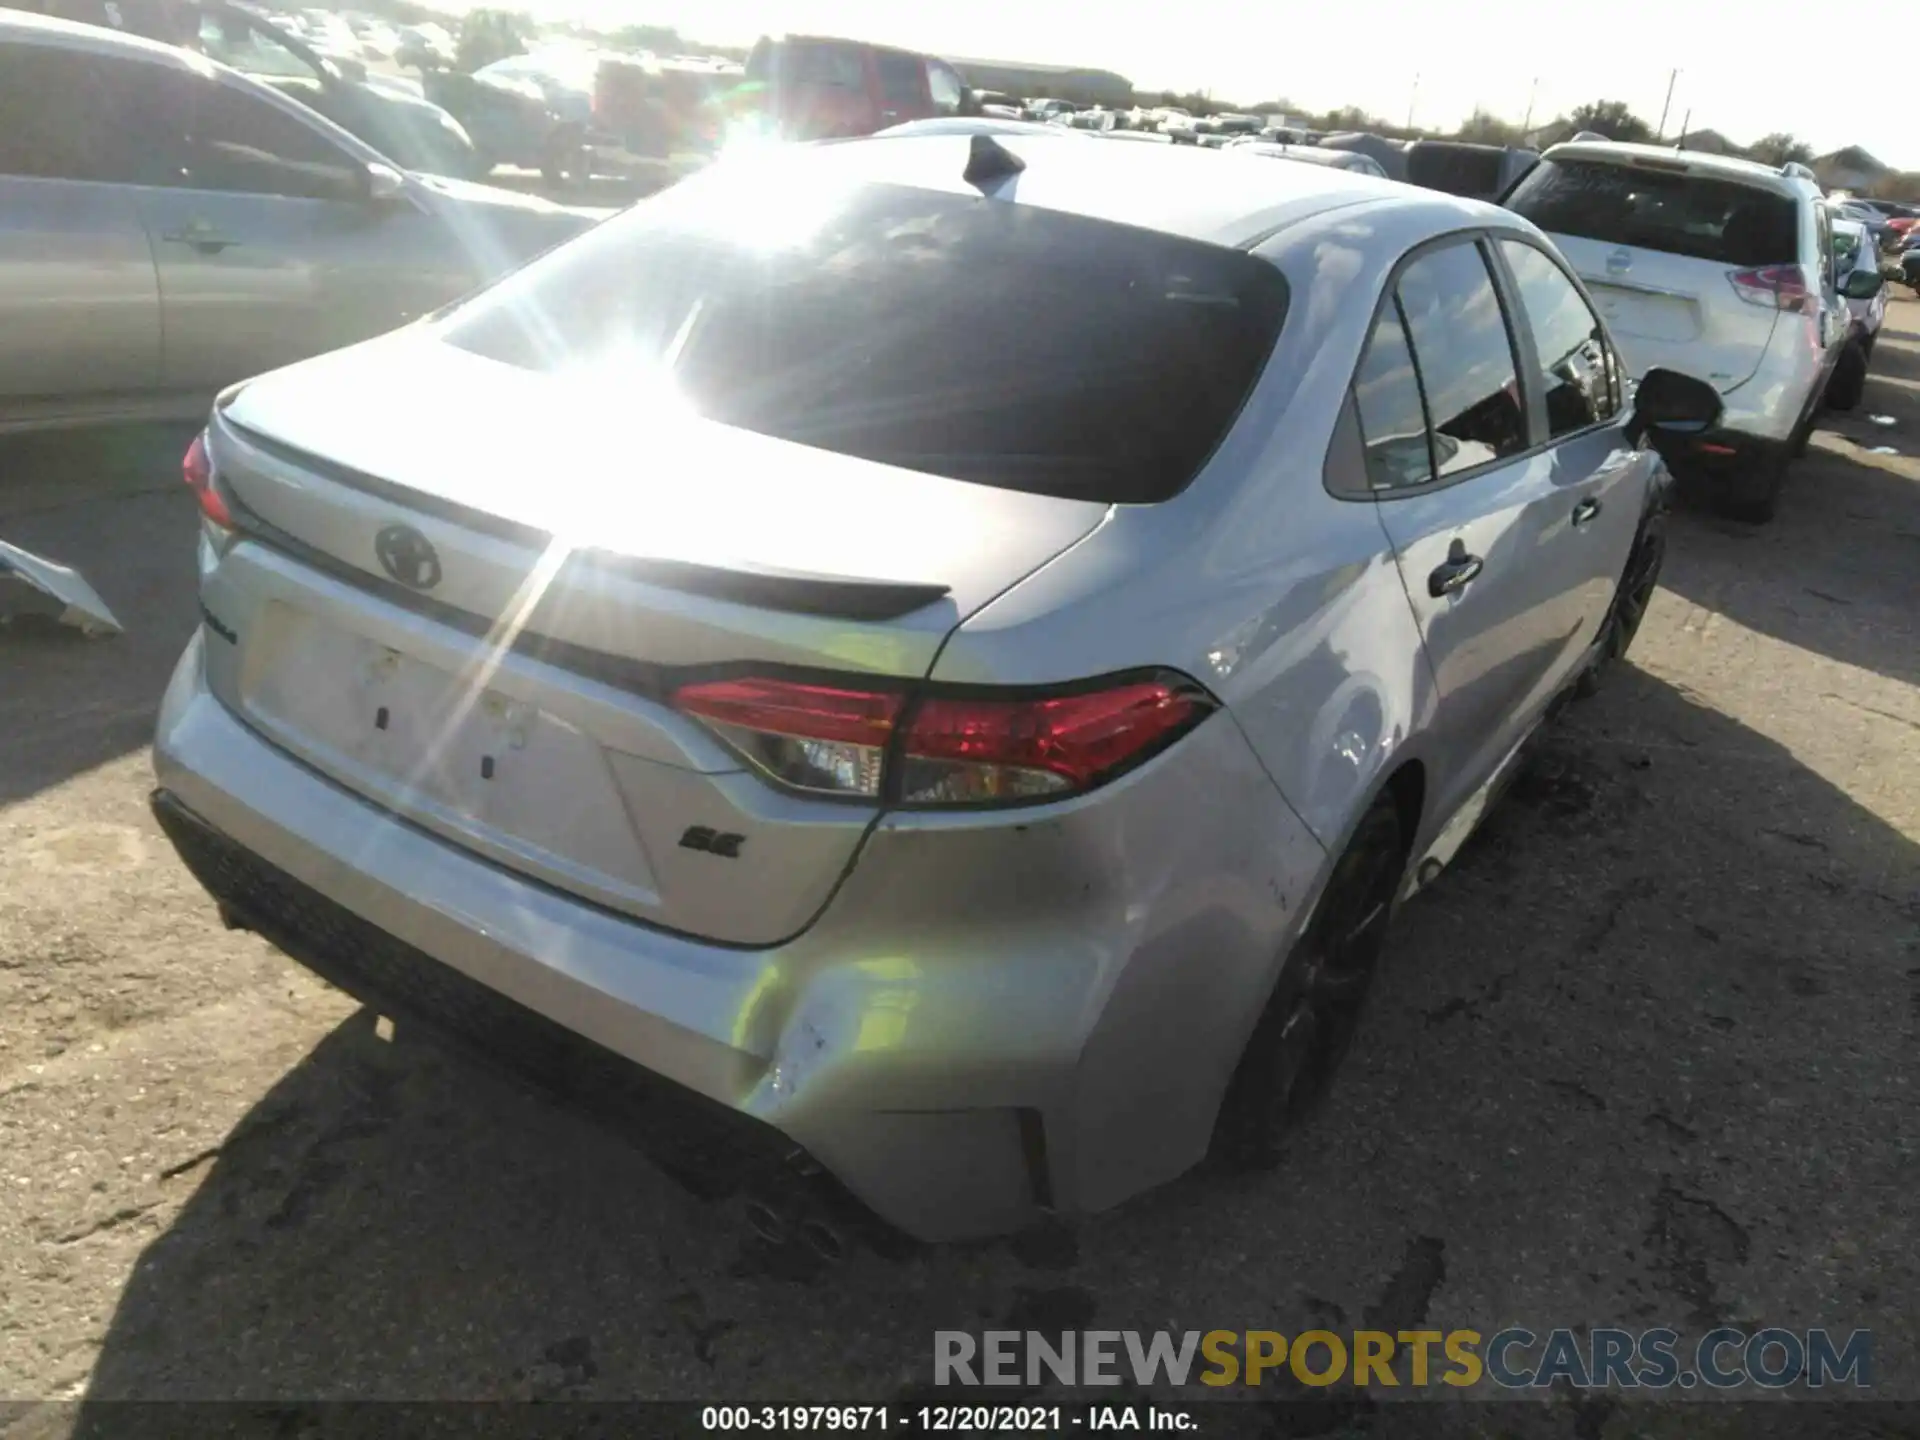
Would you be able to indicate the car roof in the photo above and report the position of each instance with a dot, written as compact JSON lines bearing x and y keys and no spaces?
{"x":1180,"y":190}
{"x":1694,"y":162}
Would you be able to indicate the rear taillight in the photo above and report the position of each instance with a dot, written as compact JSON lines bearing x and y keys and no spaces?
{"x":812,"y":737}
{"x":1783,"y":287}
{"x":951,"y":747}
{"x":197,"y":470}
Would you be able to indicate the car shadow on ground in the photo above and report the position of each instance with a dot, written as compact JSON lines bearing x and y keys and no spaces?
{"x":110,"y":504}
{"x":1837,"y":572}
{"x":1566,"y":1105}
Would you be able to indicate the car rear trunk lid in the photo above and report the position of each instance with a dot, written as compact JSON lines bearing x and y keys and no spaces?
{"x":471,"y":606}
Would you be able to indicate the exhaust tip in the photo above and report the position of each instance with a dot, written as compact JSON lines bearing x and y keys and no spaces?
{"x":766,"y":1222}
{"x":824,"y":1240}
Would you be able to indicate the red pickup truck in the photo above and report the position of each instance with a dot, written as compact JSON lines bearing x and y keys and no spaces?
{"x":810,"y":87}
{"x":794,"y":87}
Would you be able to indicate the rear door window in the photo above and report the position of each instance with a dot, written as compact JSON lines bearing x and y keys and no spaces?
{"x":1467,"y":370}
{"x":878,"y":323}
{"x":1393,"y":421}
{"x":1577,"y":370}
{"x":1740,"y":226}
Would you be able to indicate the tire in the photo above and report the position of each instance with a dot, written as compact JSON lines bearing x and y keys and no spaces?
{"x":1304,"y":1030}
{"x":1755,"y":497}
{"x":1631,"y":597}
{"x":1849,"y":381}
{"x":565,"y":160}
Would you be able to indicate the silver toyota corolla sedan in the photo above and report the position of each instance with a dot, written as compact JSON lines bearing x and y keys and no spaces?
{"x":702,"y":660}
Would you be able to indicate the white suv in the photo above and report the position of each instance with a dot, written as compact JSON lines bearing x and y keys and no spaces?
{"x":1717,"y":267}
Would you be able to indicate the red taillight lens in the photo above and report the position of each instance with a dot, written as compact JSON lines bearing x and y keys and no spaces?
{"x":955,"y":749}
{"x":1781,"y":286}
{"x":197,"y":470}
{"x":812,"y":737}
{"x":964,"y":751}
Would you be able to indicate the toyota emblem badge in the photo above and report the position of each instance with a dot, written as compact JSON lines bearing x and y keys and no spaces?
{"x":408,"y":556}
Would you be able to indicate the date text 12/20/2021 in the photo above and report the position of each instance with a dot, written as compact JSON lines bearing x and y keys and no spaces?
{"x":937,"y":1419}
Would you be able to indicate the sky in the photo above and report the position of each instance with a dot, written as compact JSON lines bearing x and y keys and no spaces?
{"x":1740,"y":72}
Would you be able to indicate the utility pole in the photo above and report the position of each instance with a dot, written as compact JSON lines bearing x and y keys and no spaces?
{"x":1526,"y":125}
{"x":1686,"y":125}
{"x":1661,"y":133}
{"x":1412,"y":98}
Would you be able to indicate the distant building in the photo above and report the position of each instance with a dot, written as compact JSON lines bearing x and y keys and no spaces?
{"x":1054,"y":82}
{"x":1849,"y":169}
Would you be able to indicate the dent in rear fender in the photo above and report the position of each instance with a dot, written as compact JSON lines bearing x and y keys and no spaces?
{"x":1331,"y":682}
{"x":1100,"y":961}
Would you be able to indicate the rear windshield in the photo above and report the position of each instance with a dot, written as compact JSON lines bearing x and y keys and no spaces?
{"x":1456,"y":170}
{"x":977,"y":339}
{"x":1719,"y":220}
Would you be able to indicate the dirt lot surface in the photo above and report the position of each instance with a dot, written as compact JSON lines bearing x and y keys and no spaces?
{"x":1647,"y":1056}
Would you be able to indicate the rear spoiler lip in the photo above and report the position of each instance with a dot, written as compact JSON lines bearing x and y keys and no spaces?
{"x":763,"y":587}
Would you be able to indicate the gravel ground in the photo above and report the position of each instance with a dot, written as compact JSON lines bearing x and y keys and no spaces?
{"x":1646,"y":1056}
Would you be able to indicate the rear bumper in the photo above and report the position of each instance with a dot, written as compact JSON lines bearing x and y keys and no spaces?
{"x":989,"y":1023}
{"x":1773,"y":404}
{"x":1725,"y":455}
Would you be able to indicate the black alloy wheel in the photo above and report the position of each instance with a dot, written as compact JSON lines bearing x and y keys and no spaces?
{"x":1308,"y":1024}
{"x":1630,"y":601}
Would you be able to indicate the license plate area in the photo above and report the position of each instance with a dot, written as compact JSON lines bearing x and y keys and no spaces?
{"x":451,"y":750}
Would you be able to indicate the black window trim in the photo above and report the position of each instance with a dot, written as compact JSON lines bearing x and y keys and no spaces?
{"x":1531,"y":380}
{"x":1525,"y":356}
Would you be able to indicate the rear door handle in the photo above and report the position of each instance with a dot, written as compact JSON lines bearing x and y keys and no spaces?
{"x":202,"y":238}
{"x":1456,"y":574}
{"x":1584,"y":512}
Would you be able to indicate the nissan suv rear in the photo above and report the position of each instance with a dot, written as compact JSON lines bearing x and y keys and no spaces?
{"x":1718,"y":267}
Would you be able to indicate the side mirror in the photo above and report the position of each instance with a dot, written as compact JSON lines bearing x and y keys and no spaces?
{"x":1863,"y":285}
{"x":354,"y":72}
{"x":1668,"y":402}
{"x":384,"y":183}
